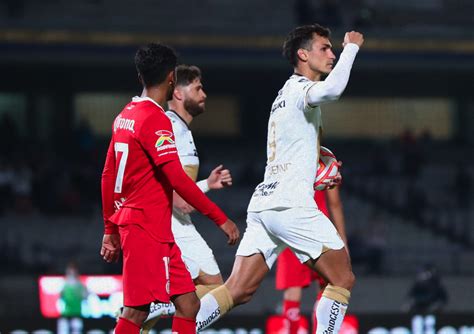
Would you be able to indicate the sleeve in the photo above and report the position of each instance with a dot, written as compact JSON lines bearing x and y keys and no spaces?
{"x":335,"y":83}
{"x":157,"y":139}
{"x":107,"y":185}
{"x":189,"y":191}
{"x":203,"y":186}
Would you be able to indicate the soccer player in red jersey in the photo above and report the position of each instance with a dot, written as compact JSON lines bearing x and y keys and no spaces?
{"x":141,"y":170}
{"x":292,"y":276}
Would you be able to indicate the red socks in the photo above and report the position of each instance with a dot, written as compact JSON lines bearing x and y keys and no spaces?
{"x":183,"y":325}
{"x":291,"y":311}
{"x":125,"y":326}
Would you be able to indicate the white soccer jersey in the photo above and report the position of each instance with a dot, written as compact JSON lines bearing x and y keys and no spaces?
{"x":293,"y":144}
{"x":188,"y":156}
{"x":292,"y":150}
{"x":196,"y":253}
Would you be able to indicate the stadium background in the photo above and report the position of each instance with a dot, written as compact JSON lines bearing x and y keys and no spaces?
{"x":404,"y":130}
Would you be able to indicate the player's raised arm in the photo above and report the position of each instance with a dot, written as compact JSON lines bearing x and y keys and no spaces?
{"x":333,"y":86}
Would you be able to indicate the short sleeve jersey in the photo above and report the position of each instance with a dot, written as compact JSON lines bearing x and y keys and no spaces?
{"x":292,"y":150}
{"x":187,"y":155}
{"x":143,"y":140}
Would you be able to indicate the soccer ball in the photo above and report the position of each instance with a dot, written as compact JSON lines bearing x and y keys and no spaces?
{"x":327,"y":169}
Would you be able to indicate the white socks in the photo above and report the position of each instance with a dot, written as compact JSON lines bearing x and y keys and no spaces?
{"x":208,"y":313}
{"x":329,"y":314}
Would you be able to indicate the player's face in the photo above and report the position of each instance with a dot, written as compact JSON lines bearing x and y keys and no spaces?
{"x":194,"y":98}
{"x":321,"y":59}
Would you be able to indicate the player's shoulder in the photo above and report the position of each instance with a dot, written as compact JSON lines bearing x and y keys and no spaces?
{"x":178,"y":123}
{"x":297,"y":82}
{"x":173,"y":117}
{"x":297,"y":79}
{"x":152,"y":118}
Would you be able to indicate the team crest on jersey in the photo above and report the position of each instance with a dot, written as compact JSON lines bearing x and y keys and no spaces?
{"x":164,"y":137}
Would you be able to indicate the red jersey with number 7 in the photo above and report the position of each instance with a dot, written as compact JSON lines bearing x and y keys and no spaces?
{"x":133,"y":189}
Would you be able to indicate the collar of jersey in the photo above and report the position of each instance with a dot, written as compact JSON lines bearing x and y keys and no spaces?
{"x":177,"y":115}
{"x":138,"y":99}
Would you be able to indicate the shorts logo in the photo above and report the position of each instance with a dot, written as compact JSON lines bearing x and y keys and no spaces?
{"x":163,"y":137}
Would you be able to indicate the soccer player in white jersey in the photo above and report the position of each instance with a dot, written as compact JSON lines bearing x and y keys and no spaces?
{"x":282,"y":212}
{"x":189,"y":102}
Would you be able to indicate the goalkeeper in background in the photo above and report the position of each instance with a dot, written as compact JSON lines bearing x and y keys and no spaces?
{"x":72,"y":296}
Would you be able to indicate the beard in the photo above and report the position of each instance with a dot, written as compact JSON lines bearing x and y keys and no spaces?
{"x":193,"y":107}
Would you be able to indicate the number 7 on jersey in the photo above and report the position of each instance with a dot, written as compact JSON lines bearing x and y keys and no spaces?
{"x":123,"y":148}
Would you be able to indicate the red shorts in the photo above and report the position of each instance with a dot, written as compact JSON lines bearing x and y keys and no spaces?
{"x":290,"y":272}
{"x":152,"y":270}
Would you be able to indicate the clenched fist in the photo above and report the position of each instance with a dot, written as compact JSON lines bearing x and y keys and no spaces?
{"x":353,"y":37}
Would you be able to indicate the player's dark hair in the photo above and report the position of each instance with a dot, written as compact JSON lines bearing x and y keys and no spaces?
{"x":186,"y":74}
{"x":300,"y":38}
{"x":154,"y":62}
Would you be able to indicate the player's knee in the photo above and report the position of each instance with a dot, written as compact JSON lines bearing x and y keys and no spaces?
{"x":192,"y":307}
{"x":137,"y":315}
{"x":348,"y":281}
{"x":188,"y":307}
{"x":195,"y":306}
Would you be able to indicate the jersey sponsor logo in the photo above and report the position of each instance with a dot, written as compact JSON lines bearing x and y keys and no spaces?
{"x":124,"y":124}
{"x":265,"y":189}
{"x":166,"y":147}
{"x":279,"y":168}
{"x":278,"y":105}
{"x":164,"y":137}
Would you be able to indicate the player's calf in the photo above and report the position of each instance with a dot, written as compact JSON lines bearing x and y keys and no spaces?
{"x":187,"y":306}
{"x":159,"y":310}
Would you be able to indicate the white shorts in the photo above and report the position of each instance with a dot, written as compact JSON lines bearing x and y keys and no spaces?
{"x":304,"y":230}
{"x":196,"y":253}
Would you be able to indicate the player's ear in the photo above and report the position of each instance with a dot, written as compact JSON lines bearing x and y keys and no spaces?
{"x":177,"y":94}
{"x":171,"y":78}
{"x":302,"y":54}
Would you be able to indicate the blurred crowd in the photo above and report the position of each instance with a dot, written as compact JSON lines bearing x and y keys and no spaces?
{"x":36,"y":179}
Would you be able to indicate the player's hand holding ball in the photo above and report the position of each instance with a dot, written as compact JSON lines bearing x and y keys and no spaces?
{"x":353,"y":37}
{"x":328,"y":173}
